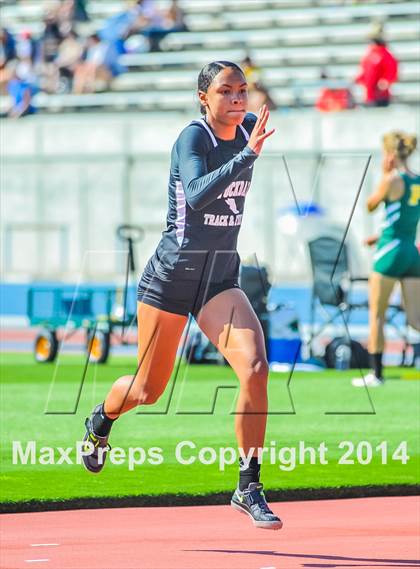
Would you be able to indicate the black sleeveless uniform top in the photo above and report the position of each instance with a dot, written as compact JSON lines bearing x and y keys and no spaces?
{"x":209,"y":179}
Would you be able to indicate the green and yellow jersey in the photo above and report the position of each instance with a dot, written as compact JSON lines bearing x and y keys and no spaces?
{"x":396,"y":254}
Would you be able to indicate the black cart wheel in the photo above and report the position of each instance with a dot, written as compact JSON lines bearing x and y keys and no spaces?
{"x":46,"y":346}
{"x":98,"y":344}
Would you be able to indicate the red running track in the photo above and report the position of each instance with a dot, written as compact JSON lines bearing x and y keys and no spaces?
{"x":369,"y":532}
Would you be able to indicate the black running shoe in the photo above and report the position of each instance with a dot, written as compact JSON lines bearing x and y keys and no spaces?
{"x":95,"y":461}
{"x":252,"y":502}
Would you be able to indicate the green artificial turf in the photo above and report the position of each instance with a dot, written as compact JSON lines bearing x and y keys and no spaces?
{"x":47,"y":403}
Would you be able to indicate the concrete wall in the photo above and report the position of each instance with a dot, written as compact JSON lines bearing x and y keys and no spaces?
{"x":67,"y":181}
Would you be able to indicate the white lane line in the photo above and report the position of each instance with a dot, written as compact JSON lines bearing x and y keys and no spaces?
{"x":43,"y":544}
{"x":268,"y":567}
{"x":36,"y":560}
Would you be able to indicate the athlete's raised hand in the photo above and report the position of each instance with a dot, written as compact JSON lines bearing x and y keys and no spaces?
{"x":258,"y":136}
{"x":388,"y":162}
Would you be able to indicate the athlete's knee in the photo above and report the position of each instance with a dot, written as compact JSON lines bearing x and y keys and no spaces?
{"x":148,"y":392}
{"x":258,"y":368}
{"x":255,"y":374}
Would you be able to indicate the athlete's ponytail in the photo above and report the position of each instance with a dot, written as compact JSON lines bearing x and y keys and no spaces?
{"x":401,"y":143}
{"x":209,"y":72}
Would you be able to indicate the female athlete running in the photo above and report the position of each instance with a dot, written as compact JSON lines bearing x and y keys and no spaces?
{"x":397,"y":257}
{"x":195,"y":270}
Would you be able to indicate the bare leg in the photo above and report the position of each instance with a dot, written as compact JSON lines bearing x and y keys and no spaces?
{"x":230,"y":323}
{"x":380,"y":289}
{"x":159,"y":333}
{"x":411,"y":294}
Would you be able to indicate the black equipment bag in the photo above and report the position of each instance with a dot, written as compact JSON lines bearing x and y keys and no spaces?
{"x":359,"y":354}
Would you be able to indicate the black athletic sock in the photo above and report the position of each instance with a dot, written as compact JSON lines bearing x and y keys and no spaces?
{"x":101,"y":423}
{"x":416,"y":353}
{"x":376,"y":361}
{"x":250,"y":474}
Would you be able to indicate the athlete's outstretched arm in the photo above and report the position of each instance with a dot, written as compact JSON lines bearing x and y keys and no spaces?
{"x":202,"y":187}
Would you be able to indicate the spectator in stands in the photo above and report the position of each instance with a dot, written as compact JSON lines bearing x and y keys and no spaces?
{"x":51,"y":37}
{"x":21,"y":93}
{"x":26,"y":51}
{"x":7,"y":55}
{"x":26,"y":46}
{"x":119,"y":26}
{"x":258,"y":94}
{"x":66,"y":12}
{"x":79,"y":12}
{"x":7,"y":47}
{"x":116,"y":30}
{"x":49,"y":43}
{"x":93,"y":68}
{"x":70,"y":53}
{"x":378,"y":70}
{"x":155,"y":24}
{"x":175,"y":18}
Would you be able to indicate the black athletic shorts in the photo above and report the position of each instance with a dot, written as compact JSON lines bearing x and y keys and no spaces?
{"x":179,"y":296}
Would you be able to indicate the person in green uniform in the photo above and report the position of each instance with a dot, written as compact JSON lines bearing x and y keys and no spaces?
{"x":396,"y":257}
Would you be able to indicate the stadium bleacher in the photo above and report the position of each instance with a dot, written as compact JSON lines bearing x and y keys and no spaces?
{"x":290,"y":41}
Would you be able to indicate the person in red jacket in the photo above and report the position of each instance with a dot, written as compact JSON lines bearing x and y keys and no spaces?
{"x":379,"y":69}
